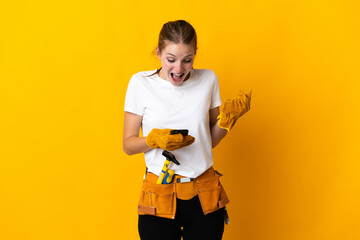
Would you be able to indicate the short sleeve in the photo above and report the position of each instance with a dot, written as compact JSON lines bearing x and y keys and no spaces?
{"x":133,"y":100}
{"x":215,"y":99}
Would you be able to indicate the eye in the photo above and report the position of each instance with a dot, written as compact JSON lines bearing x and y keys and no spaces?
{"x":171,"y":60}
{"x":188,"y":61}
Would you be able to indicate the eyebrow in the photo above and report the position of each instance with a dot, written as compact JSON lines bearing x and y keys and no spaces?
{"x":185,"y":56}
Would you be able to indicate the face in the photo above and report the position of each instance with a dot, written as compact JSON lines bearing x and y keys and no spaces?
{"x":176,"y":61}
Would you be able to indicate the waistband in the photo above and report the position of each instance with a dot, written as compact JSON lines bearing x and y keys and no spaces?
{"x":152,"y":178}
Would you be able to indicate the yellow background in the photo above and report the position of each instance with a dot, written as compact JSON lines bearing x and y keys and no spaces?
{"x":290,"y":165}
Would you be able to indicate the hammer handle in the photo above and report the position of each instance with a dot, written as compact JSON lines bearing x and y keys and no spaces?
{"x":163,"y":172}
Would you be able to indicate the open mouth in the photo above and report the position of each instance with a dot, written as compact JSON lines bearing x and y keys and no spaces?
{"x":177,"y":77}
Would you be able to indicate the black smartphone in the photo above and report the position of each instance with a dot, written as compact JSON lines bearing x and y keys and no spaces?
{"x":183,"y":132}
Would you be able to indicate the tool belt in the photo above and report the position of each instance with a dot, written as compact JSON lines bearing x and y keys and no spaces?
{"x":160,"y":199}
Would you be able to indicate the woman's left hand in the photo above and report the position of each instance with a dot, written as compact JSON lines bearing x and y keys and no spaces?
{"x":233,"y":109}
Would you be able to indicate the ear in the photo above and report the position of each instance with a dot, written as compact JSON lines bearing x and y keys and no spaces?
{"x":158,"y":52}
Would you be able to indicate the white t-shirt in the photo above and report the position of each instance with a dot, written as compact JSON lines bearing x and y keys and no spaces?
{"x":163,"y":105}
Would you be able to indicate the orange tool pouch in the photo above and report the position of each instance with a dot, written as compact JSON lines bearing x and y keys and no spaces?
{"x":160,"y":199}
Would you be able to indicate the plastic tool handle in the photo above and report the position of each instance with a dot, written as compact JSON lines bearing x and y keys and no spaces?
{"x":163,"y":171}
{"x":169,"y":176}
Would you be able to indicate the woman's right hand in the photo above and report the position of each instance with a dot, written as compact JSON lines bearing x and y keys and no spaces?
{"x":161,"y":138}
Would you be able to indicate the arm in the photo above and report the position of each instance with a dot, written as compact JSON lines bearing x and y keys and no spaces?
{"x":217,"y":133}
{"x":132,"y":143}
{"x":233,"y":109}
{"x":157,"y":138}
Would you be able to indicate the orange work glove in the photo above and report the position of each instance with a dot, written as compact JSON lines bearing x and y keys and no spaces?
{"x":161,"y":138}
{"x":233,"y":109}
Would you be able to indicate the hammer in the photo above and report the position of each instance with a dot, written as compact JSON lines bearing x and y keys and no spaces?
{"x":169,"y":158}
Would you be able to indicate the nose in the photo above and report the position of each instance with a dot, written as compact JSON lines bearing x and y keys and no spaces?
{"x":178,"y":67}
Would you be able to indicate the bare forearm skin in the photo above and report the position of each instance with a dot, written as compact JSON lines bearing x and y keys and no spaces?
{"x":217,"y":134}
{"x":134,"y":145}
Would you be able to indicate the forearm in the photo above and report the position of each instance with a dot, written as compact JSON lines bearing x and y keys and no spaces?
{"x":133,"y":145}
{"x":217,"y":134}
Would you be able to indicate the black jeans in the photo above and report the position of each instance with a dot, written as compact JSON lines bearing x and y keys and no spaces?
{"x":189,"y":222}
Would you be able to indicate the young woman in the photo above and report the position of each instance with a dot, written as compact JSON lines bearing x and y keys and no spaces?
{"x":176,"y":96}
